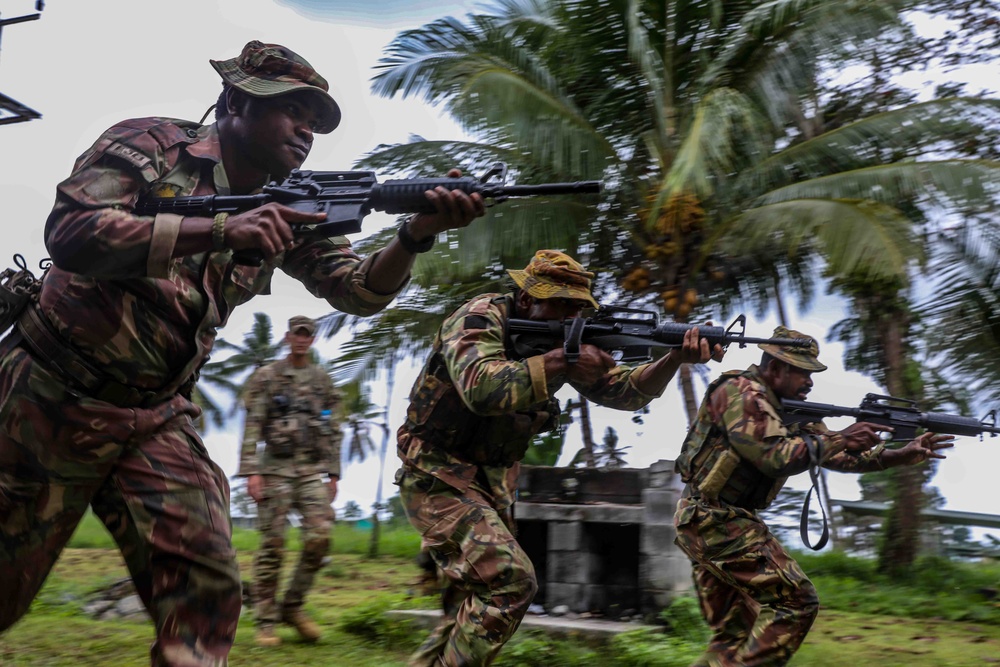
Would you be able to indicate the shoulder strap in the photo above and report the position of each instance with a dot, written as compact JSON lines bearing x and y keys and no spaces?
{"x":816,"y":457}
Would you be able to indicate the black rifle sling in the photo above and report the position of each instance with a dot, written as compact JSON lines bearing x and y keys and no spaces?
{"x":573,"y":339}
{"x":816,"y":457}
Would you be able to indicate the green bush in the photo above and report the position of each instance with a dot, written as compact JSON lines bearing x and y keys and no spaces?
{"x":369,"y":621}
{"x":650,"y":648}
{"x":935,"y":588}
{"x":535,"y":649}
{"x":684,"y":620}
{"x":401,"y":541}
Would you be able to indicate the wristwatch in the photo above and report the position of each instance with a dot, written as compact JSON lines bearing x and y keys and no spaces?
{"x":410,"y":244}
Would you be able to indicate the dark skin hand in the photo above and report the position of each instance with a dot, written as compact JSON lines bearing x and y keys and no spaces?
{"x":862,"y":436}
{"x":920,"y":449}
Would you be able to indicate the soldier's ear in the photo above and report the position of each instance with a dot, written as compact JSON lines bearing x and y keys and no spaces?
{"x":236,"y":102}
{"x":770,"y":367}
{"x":522,"y":301}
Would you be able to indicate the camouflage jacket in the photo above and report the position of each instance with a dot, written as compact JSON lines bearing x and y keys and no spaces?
{"x":740,"y":451}
{"x":473,"y":384}
{"x":116,"y":293}
{"x":293,"y":411}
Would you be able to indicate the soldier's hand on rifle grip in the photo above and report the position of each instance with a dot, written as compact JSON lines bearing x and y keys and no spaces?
{"x":593,"y":364}
{"x":862,"y":436}
{"x":266,"y":228}
{"x":455,"y":209}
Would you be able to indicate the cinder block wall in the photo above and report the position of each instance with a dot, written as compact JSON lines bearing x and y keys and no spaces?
{"x":602,"y":540}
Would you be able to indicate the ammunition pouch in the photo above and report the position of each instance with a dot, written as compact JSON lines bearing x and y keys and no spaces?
{"x":503,"y":440}
{"x":18,"y":288}
{"x":719,"y":474}
{"x":292,"y":429}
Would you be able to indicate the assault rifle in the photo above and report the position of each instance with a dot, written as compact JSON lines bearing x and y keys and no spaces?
{"x":900,"y":414}
{"x":877,"y":409}
{"x":348,"y":196}
{"x":628,"y":334}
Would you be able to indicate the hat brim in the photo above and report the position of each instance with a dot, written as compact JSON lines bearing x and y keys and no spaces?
{"x":782,"y":353}
{"x":545,"y":290}
{"x":329,"y":110}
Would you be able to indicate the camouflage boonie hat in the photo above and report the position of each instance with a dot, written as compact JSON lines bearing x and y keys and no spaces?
{"x":270,"y":70}
{"x":555,"y":275}
{"x":302,"y":322}
{"x":801,"y":357}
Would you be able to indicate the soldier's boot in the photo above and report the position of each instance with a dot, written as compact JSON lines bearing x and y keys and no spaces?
{"x":265,"y":637}
{"x":305,"y":626}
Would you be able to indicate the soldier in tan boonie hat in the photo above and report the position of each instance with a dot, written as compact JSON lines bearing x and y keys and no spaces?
{"x":270,"y":70}
{"x":806,"y":358}
{"x":555,"y":275}
{"x":302,"y":322}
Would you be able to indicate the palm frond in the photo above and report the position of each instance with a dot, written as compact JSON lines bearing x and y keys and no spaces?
{"x":958,"y":183}
{"x":857,"y":237}
{"x":876,"y":139}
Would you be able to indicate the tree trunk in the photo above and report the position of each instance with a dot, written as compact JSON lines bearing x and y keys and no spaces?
{"x":373,"y":545}
{"x":587,"y":432}
{"x":902,"y":526}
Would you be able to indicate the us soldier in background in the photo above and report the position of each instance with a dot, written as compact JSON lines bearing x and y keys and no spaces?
{"x":290,"y":407}
{"x":737,"y":455}
{"x":95,"y":381}
{"x":473,"y":411}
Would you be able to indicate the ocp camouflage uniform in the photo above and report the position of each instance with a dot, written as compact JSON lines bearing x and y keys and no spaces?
{"x":291,"y":410}
{"x":94,"y":385}
{"x":735,"y":459}
{"x":473,"y":411}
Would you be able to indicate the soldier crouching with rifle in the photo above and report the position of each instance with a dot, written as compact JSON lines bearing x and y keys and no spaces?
{"x":473,"y":411}
{"x":757,"y":601}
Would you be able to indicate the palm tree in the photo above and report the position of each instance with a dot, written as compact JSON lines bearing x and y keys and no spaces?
{"x":357,"y":366}
{"x":693,"y":115}
{"x":258,"y":349}
{"x":729,"y":173}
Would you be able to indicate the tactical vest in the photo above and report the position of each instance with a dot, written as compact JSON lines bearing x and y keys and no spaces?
{"x":438,"y":415}
{"x":714,"y":469}
{"x":297,"y":418}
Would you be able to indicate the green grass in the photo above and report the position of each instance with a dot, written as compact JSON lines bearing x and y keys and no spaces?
{"x":396,"y":540}
{"x":944,"y":615}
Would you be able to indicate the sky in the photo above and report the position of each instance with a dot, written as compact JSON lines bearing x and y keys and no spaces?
{"x":87,"y":65}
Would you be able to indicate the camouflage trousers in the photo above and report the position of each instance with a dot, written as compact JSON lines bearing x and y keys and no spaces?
{"x":147,"y":476}
{"x":488,"y":579}
{"x":310,"y":497}
{"x":756,"y":599}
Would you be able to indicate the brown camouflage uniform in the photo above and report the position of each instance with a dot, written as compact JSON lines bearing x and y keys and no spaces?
{"x":291,"y":410}
{"x":738,"y":454}
{"x":473,"y":411}
{"x":146,"y":321}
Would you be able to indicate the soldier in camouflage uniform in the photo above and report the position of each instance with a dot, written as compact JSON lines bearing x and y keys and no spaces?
{"x":95,"y":379}
{"x":290,"y":407}
{"x":738,"y":454}
{"x":473,"y":410}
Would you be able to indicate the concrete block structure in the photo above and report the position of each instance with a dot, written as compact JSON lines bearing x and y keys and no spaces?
{"x":602,"y":540}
